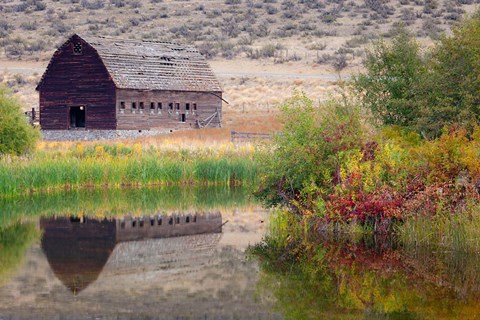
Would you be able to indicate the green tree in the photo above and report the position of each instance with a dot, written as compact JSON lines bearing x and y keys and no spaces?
{"x":451,"y":89}
{"x":425,"y":92}
{"x":393,"y":73}
{"x":16,"y":135}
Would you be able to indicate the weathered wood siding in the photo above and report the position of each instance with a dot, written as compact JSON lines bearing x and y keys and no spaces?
{"x":74,"y":80}
{"x":206,"y":105}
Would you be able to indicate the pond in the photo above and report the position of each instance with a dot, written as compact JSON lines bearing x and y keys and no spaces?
{"x":170,"y":253}
{"x":205,"y":253}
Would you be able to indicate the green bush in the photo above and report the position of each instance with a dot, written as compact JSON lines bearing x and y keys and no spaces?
{"x":16,"y":135}
{"x":303,"y":168}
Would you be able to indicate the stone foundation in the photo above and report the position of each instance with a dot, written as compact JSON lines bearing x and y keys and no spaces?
{"x":91,"y":135}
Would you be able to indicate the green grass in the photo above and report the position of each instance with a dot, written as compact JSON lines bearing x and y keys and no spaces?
{"x":114,"y":166}
{"x":459,"y":231}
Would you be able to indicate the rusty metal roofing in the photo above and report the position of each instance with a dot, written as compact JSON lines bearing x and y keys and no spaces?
{"x":154,"y":65}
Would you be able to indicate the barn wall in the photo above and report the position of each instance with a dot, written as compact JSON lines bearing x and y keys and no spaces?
{"x":207,"y":104}
{"x":77,"y":80}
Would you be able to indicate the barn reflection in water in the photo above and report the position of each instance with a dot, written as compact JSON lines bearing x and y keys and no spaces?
{"x":77,"y":249}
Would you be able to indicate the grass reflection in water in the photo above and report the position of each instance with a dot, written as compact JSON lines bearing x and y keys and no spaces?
{"x":119,"y":202}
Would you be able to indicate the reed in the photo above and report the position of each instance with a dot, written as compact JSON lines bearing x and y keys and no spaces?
{"x":458,"y":231}
{"x":96,"y":166}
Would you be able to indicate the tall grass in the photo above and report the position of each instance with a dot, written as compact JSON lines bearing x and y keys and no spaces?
{"x":118,"y":165}
{"x":458,"y":231}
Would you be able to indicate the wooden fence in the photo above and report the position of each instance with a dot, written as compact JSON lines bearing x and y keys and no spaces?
{"x":32,"y":117}
{"x":250,"y":136}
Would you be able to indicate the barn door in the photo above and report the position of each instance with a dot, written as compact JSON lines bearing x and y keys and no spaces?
{"x":77,"y":117}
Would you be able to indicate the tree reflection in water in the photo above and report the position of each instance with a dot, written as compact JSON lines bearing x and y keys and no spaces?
{"x":15,"y":239}
{"x":370,"y":278}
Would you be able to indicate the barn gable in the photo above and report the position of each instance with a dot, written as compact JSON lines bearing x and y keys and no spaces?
{"x":76,"y":78}
{"x":63,"y":53}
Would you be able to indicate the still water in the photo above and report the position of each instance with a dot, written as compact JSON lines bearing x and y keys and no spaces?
{"x":131,"y":254}
{"x":187,"y":254}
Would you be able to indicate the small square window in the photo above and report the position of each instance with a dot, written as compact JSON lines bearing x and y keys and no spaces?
{"x":122,"y":105}
{"x":134,"y":106}
{"x":142,"y":106}
{"x":159,"y":106}
{"x":194,"y":106}
{"x":170,"y":106}
{"x":187,"y":106}
{"x":77,"y":48}
{"x":152,"y":105}
{"x":177,"y":106}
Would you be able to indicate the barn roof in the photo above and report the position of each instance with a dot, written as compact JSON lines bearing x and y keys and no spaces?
{"x":153,"y":65}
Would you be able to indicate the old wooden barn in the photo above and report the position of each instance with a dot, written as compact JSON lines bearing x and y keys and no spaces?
{"x":107,"y":84}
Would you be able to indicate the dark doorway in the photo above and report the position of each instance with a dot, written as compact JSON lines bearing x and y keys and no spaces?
{"x":183,"y":117}
{"x":77,"y":117}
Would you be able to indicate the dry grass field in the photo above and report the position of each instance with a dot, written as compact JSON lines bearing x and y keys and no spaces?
{"x":330,"y":32}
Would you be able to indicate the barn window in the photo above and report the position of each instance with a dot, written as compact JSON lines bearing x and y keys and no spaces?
{"x":187,"y":106}
{"x":122,"y":105}
{"x":177,"y":106}
{"x":77,"y":48}
{"x":159,"y":106}
{"x":170,"y":106}
{"x":152,"y":106}
{"x":194,"y":106}
{"x":134,"y":106}
{"x":183,"y":118}
{"x":142,"y":106}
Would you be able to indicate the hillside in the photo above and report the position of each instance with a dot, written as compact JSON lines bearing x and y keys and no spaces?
{"x":312,"y":31}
